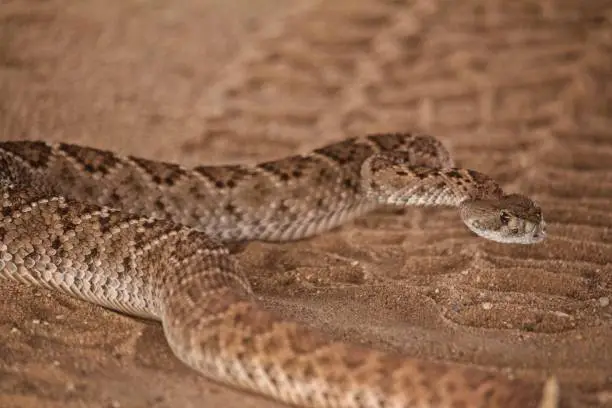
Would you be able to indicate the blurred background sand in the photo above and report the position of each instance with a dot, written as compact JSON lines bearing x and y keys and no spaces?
{"x":521,"y":90}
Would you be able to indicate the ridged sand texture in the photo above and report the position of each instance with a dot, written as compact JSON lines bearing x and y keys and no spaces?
{"x":518,"y":90}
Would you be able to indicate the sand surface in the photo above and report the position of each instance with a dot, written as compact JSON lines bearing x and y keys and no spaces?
{"x":518,"y":89}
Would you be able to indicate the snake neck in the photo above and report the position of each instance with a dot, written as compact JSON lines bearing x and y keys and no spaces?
{"x":391,"y":180}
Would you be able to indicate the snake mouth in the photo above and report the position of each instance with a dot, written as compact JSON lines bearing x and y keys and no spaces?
{"x":538,"y":236}
{"x":539,"y":232}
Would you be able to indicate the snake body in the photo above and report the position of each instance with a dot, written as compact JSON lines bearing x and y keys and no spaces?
{"x":148,"y":238}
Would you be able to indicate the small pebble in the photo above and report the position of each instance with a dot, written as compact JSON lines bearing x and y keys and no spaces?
{"x":487,"y":305}
{"x":604,"y":301}
{"x":35,"y":321}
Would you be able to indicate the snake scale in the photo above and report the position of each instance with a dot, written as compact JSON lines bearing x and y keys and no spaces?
{"x":149,"y":239}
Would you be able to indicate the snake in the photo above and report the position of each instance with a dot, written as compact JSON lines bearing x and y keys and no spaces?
{"x":152,"y":239}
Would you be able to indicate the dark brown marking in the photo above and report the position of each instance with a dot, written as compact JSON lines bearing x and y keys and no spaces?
{"x":326,"y":175}
{"x":378,"y":163}
{"x":93,"y":254}
{"x":92,"y":160}
{"x":454,"y":174}
{"x":233,"y":210}
{"x":196,"y":191}
{"x":423,"y":172}
{"x":389,"y":141}
{"x":309,"y":370}
{"x":113,"y":219}
{"x":226,"y":176}
{"x":272,"y":345}
{"x":283,"y":207}
{"x":274,"y":381}
{"x":105,"y":224}
{"x":268,"y":166}
{"x":160,"y":172}
{"x":282,"y":169}
{"x":425,"y":145}
{"x":35,"y":154}
{"x":89,"y":190}
{"x":63,"y":210}
{"x":349,"y":152}
{"x":350,"y":184}
{"x":477,"y":177}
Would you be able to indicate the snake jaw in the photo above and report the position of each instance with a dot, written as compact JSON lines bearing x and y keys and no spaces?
{"x":531,"y":235}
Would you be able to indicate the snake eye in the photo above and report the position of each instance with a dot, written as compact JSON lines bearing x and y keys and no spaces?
{"x":504,"y":217}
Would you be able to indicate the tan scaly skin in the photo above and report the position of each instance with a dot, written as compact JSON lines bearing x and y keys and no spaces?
{"x":146,"y":238}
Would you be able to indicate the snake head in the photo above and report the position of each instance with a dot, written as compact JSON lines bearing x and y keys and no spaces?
{"x":513,"y":219}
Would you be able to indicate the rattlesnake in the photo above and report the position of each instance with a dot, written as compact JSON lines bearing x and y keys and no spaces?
{"x":146,"y":238}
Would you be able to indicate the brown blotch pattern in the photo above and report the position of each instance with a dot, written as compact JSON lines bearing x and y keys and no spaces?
{"x":91,"y":160}
{"x":167,"y":174}
{"x":226,"y":176}
{"x":35,"y":154}
{"x":348,"y":154}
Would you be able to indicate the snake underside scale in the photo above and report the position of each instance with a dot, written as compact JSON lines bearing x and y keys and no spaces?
{"x":147,"y":238}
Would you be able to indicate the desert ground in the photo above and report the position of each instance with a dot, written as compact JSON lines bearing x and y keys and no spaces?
{"x":520,"y":90}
